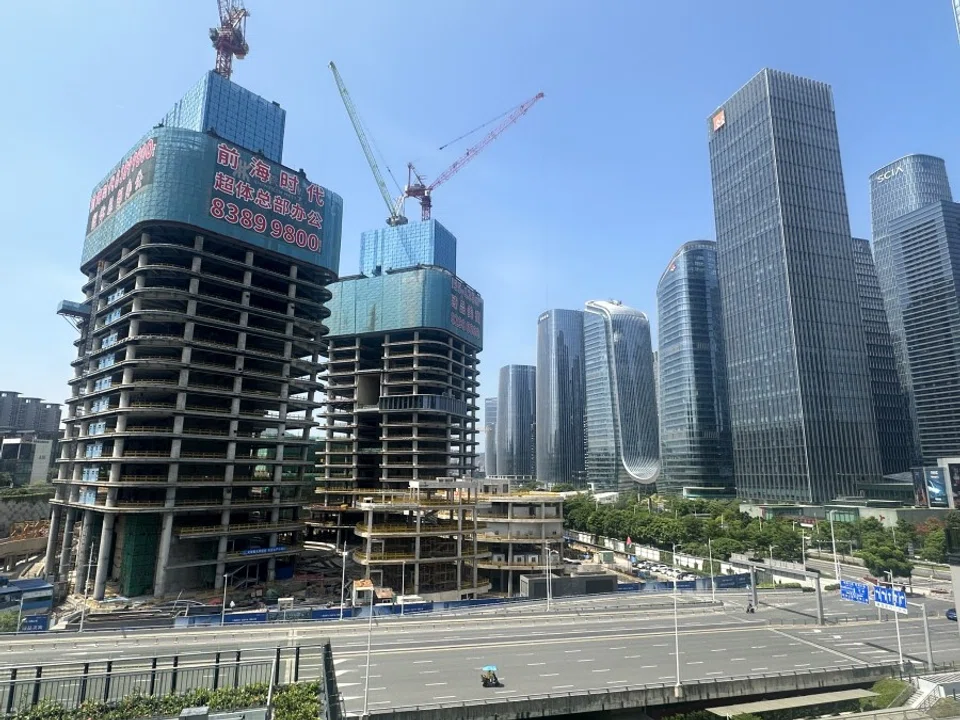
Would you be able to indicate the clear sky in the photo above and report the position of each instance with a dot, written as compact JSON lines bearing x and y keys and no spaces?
{"x":585,"y":198}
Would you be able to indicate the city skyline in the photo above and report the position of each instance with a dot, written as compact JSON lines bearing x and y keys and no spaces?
{"x":531,"y":154}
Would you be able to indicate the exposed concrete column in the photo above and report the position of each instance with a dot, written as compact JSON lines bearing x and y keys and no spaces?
{"x":83,"y":551}
{"x":66,"y":549}
{"x":103,"y":559}
{"x":55,"y":516}
{"x":163,"y":556}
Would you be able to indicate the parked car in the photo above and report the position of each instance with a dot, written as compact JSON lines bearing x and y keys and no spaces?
{"x":952,"y":614}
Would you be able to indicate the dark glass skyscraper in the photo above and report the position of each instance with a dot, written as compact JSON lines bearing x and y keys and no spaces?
{"x":801,"y":407}
{"x":894,"y":428}
{"x":623,"y":445}
{"x":930,"y":242}
{"x":490,"y":435}
{"x":516,"y":421}
{"x":905,"y":185}
{"x":695,"y":443}
{"x":560,"y":397}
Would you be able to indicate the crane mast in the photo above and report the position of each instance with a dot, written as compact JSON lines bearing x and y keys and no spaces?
{"x":394,"y":208}
{"x":422,"y":192}
{"x":229,"y":38}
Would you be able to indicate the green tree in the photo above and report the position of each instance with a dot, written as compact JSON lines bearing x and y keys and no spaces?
{"x":882,"y":558}
{"x":935,"y":546}
{"x":8,"y":621}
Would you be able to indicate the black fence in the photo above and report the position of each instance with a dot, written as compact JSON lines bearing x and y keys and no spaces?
{"x":72,"y":684}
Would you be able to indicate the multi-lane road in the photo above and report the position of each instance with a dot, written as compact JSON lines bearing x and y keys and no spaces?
{"x":603,"y":642}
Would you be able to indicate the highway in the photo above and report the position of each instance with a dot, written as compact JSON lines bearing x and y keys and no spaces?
{"x":603,"y":642}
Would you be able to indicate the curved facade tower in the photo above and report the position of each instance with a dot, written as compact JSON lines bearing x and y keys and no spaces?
{"x":622,"y":438}
{"x":516,"y":421}
{"x":490,"y":436}
{"x":560,"y":397}
{"x":695,"y":441}
{"x":905,"y":185}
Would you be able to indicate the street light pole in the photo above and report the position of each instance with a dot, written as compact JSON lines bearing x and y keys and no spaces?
{"x":20,"y":614}
{"x":549,"y":584}
{"x":676,"y":623}
{"x":713,"y":582}
{"x":833,"y":540}
{"x":343,"y":578}
{"x":366,"y":679}
{"x":403,"y":586}
{"x":896,"y":620}
{"x":223,"y":602}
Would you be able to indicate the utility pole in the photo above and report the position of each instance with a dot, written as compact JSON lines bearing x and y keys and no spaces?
{"x":713,"y":581}
{"x":677,"y":690}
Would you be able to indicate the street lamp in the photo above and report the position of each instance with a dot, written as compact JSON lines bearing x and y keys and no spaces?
{"x":343,"y":578}
{"x":550,"y":553}
{"x":713,"y":582}
{"x":771,"y":556}
{"x":223,"y":602}
{"x":366,"y":680}
{"x":833,"y":540}
{"x":20,"y":614}
{"x":896,"y":620}
{"x":403,"y":587}
{"x":676,"y":622}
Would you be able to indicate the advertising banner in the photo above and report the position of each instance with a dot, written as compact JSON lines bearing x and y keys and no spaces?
{"x":936,"y":482}
{"x":953,"y":469}
{"x":919,"y":488}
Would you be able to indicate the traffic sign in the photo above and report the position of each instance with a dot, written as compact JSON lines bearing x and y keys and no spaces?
{"x":857,"y":592}
{"x":890,"y":598}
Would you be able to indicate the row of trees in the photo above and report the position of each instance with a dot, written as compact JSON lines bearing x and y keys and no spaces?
{"x":665,"y":521}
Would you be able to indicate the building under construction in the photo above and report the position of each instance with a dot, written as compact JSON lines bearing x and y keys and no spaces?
{"x":401,"y":416}
{"x":187,"y":442}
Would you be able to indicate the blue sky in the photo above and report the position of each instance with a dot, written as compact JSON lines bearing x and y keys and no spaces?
{"x":585,"y":198}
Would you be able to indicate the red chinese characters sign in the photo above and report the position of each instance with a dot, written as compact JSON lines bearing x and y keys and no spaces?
{"x":134,"y":173}
{"x":267,"y":199}
{"x":466,"y":308}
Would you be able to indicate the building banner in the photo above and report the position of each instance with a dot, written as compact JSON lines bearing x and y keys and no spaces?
{"x":936,"y":482}
{"x":920,"y":488}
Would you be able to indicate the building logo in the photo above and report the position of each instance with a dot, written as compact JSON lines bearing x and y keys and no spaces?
{"x":719,"y":120}
{"x":889,"y":174}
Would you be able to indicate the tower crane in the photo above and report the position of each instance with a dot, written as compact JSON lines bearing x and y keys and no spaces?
{"x":394,"y":207}
{"x":423,"y":192}
{"x":229,"y":38}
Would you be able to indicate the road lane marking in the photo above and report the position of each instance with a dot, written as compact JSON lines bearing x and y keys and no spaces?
{"x":623,"y":647}
{"x":719,"y":650}
{"x":618,"y":682}
{"x":736,"y":659}
{"x":433,"y":684}
{"x":647,"y":667}
{"x":562,"y":687}
{"x":604,"y":670}
{"x":444,"y":697}
{"x":572,"y":651}
{"x":422,"y":672}
{"x":783,"y":655}
{"x":665,"y":677}
{"x":587,"y":660}
{"x":376,"y":689}
{"x":504,"y":692}
{"x":803,"y":665}
{"x":421,"y":662}
{"x":549,"y":674}
{"x":758,"y":669}
{"x":696,"y":662}
{"x":820,"y":648}
{"x":633,"y":657}
{"x":659,"y":645}
{"x":715,"y":672}
{"x":532,"y":664}
{"x":757,"y":647}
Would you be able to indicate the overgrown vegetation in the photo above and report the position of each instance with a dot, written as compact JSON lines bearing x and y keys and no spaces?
{"x":945,"y":708}
{"x":8,"y":621}
{"x":36,"y":491}
{"x":890,"y":692}
{"x":663,"y":521}
{"x":291,"y":702}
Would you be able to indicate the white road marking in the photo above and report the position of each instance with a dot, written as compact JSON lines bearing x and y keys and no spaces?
{"x":623,"y":647}
{"x":444,"y":697}
{"x":549,"y":674}
{"x":634,"y":657}
{"x":618,"y":682}
{"x":562,"y":687}
{"x":421,"y":662}
{"x":719,"y":650}
{"x":532,"y":664}
{"x":715,"y":672}
{"x":695,"y":662}
{"x":571,"y":651}
{"x":758,"y":669}
{"x":380,"y":702}
{"x":422,"y":672}
{"x":587,"y":660}
{"x":803,"y":665}
{"x":604,"y":670}
{"x":736,"y":659}
{"x":665,"y":677}
{"x":783,"y":655}
{"x":504,"y":692}
{"x":647,"y":667}
{"x":434,"y":684}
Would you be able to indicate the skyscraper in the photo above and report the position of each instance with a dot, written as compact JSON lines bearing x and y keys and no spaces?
{"x":560,"y":397}
{"x":187,"y":435}
{"x":490,"y":435}
{"x":905,"y":185}
{"x":801,"y":408}
{"x":516,"y":421}
{"x":894,"y":428}
{"x":622,"y":438}
{"x":695,"y":443}
{"x":930,"y":242}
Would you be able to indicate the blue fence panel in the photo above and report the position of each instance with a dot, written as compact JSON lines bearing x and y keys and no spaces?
{"x":245,"y":617}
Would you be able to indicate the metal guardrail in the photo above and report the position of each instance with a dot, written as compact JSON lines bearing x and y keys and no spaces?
{"x":111,"y":680}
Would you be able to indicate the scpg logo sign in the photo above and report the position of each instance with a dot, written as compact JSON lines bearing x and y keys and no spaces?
{"x":889,"y":174}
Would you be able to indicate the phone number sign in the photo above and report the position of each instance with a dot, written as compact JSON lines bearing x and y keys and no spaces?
{"x":267,"y":199}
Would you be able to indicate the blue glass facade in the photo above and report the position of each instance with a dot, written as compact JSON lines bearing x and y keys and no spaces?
{"x":490,"y":435}
{"x":516,"y":421}
{"x":801,"y":407}
{"x":233,"y":113}
{"x":560,"y":398}
{"x":696,"y":449}
{"x":622,"y":438}
{"x":404,"y":246}
{"x":894,"y":427}
{"x":930,"y":243}
{"x":182,"y":176}
{"x":905,"y":185}
{"x":404,"y":300}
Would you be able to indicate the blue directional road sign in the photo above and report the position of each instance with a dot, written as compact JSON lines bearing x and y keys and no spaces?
{"x":35,"y":623}
{"x":890,"y":598}
{"x":857,"y":592}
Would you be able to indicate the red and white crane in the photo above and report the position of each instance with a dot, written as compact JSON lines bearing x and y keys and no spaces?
{"x":229,"y":38}
{"x":423,"y":192}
